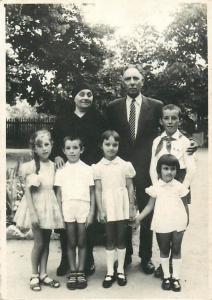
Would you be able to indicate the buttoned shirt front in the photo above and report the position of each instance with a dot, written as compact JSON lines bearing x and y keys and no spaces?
{"x":138,"y":103}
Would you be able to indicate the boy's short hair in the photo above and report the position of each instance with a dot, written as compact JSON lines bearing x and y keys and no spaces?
{"x":72,"y":137}
{"x":169,"y":160}
{"x":106,"y":134}
{"x":171,"y":107}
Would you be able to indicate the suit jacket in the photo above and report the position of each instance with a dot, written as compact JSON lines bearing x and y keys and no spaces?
{"x":139,"y":151}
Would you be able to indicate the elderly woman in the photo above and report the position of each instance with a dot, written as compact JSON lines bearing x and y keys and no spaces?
{"x":84,"y":120}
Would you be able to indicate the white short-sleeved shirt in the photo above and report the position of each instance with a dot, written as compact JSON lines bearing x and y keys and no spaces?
{"x":179,"y":149}
{"x":75,"y":181}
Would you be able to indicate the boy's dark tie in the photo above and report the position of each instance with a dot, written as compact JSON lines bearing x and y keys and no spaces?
{"x":132,"y":119}
{"x":168,"y":140}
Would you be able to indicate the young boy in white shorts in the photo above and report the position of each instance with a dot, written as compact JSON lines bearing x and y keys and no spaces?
{"x":75,"y":190}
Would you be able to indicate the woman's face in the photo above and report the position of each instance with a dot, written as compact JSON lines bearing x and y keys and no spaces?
{"x":83,"y":99}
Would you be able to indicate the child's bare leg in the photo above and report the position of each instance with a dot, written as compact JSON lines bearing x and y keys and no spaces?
{"x":81,"y":234}
{"x":71,"y":230}
{"x":45,"y":253}
{"x":36,"y":250}
{"x":121,"y":227}
{"x":177,"y":238}
{"x":110,"y":229}
{"x":164,"y":242}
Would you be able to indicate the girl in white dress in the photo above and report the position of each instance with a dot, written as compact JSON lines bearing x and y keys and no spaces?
{"x":170,"y":218}
{"x":39,"y":208}
{"x":115,"y":201}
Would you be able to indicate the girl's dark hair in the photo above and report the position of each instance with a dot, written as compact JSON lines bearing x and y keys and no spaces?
{"x":169,"y":160}
{"x":106,"y":135}
{"x":32,"y":143}
{"x":72,"y":138}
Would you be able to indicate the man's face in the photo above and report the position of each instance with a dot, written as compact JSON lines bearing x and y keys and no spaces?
{"x":132,"y":82}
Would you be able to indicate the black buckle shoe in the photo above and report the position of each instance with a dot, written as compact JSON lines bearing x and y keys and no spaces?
{"x":90,"y":269}
{"x":166,"y":284}
{"x":175,"y":285}
{"x":121,"y":279}
{"x":147,"y":267}
{"x":108,"y":281}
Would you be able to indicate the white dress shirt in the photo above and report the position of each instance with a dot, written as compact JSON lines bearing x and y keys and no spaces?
{"x":138,"y":102}
{"x":179,"y":149}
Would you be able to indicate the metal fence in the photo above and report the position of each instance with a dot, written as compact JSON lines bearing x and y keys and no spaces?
{"x":18,"y":131}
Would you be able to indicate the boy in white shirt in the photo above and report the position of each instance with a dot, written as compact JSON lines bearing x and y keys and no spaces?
{"x":75,"y":190}
{"x":174,"y":142}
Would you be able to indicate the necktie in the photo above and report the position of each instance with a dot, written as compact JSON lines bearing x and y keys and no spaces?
{"x":132,"y":119}
{"x":168,"y":140}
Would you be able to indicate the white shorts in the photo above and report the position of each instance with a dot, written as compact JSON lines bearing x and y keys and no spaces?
{"x":75,"y":210}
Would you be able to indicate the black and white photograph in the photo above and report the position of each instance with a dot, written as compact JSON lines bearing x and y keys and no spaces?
{"x":104,"y":150}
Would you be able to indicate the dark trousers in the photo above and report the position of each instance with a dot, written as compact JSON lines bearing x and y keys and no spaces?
{"x":146,"y":235}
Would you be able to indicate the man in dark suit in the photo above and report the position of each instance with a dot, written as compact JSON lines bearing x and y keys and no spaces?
{"x":136,"y":118}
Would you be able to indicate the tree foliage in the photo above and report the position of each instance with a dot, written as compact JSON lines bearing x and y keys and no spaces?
{"x":50,"y":49}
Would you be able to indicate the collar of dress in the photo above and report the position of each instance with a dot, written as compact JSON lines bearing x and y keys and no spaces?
{"x":163,"y":183}
{"x":115,"y":161}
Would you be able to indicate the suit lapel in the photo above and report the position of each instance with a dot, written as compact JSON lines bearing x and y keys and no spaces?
{"x":142,"y":116}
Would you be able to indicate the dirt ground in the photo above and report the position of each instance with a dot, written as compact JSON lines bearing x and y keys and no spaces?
{"x":16,"y":268}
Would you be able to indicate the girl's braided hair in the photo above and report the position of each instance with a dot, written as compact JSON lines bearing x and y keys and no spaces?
{"x":34,"y":139}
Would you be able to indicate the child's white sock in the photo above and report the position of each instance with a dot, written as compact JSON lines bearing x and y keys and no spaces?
{"x":110,"y":261}
{"x":121,"y":257}
{"x":176,"y":263}
{"x":165,"y":266}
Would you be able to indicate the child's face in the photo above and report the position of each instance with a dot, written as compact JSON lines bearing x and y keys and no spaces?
{"x":170,"y":121}
{"x":110,"y":148}
{"x":83,"y":99}
{"x":43,"y":147}
{"x":168,"y":172}
{"x":72,"y":150}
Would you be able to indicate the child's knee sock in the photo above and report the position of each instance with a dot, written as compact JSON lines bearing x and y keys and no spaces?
{"x":110,"y":261}
{"x":121,"y":257}
{"x":165,"y":266}
{"x":176,"y":264}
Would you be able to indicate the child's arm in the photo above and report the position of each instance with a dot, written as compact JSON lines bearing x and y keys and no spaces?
{"x":184,"y":199}
{"x":58,"y":193}
{"x":130,"y":189}
{"x":147,"y":209}
{"x":90,"y":216}
{"x":33,"y":215}
{"x":98,"y":193}
{"x":190,"y":168}
{"x":153,"y":164}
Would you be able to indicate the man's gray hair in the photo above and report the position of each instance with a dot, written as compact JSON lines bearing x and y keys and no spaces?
{"x":134,"y":66}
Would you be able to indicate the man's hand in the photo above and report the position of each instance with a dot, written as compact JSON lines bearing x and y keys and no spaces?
{"x":132,"y":213}
{"x":59,"y":162}
{"x":193,"y":147}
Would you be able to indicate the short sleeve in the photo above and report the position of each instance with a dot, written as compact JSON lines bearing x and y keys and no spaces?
{"x":96,"y":171}
{"x":129,"y":170}
{"x":33,"y":180}
{"x":26,"y":169}
{"x":151,"y":191}
{"x":183,"y":190}
{"x":58,"y":178}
